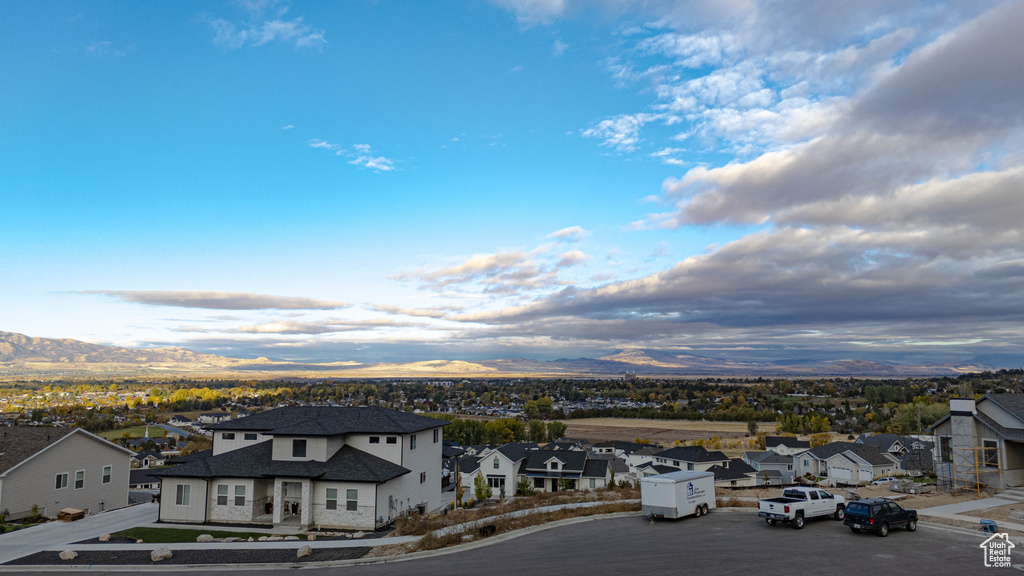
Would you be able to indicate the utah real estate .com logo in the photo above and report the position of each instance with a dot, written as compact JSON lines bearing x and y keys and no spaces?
{"x":997,"y":550}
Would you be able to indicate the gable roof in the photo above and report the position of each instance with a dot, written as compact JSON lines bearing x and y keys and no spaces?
{"x":18,"y":444}
{"x":738,"y":465}
{"x":348,"y":464}
{"x":516,"y":451}
{"x":870,"y":454}
{"x":773,"y":458}
{"x":723,"y":473}
{"x":627,"y":447}
{"x":883,"y":441}
{"x":572,"y":460}
{"x":787,"y":441}
{"x":692,"y":454}
{"x":617,"y":465}
{"x":595,"y":469}
{"x":1012,"y":403}
{"x":332,"y":421}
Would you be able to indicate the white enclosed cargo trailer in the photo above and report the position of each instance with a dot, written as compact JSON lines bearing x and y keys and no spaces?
{"x":677,"y":494}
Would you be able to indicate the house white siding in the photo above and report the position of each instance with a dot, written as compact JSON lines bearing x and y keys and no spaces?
{"x":381,"y":449}
{"x":228,"y":440}
{"x":316,"y":448}
{"x":194,"y":511}
{"x":341,"y":516}
{"x":408,"y":491}
{"x":33,"y":481}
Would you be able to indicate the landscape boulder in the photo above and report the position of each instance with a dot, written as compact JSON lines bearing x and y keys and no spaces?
{"x":304,"y":551}
{"x":160,"y":554}
{"x":204,"y":538}
{"x":68,"y":555}
{"x":274,"y":538}
{"x":104,"y":537}
{"x":311,"y":537}
{"x":291,"y":537}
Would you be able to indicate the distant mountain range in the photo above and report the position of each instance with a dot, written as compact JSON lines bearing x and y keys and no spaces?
{"x":26,"y":357}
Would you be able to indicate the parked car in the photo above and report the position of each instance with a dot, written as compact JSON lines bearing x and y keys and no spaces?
{"x":800,"y":503}
{"x":879,"y":516}
{"x":885,"y":480}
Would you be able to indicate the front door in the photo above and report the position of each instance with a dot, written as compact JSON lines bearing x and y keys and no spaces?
{"x":554,"y":484}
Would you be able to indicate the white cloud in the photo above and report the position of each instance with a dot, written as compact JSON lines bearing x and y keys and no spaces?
{"x":364,"y":156}
{"x":570,"y":234}
{"x":265,"y":24}
{"x":218,"y":300}
{"x":532,"y":12}
{"x":623,"y":132}
{"x":558,"y":47}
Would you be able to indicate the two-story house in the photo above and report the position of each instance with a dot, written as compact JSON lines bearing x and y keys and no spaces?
{"x":339,"y":467}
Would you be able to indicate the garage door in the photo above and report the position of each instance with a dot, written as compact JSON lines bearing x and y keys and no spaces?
{"x":843,"y":474}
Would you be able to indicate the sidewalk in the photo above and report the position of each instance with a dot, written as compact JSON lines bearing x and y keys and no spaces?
{"x":955,"y":512}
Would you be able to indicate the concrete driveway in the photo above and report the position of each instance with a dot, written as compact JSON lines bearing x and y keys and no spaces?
{"x":31,"y":540}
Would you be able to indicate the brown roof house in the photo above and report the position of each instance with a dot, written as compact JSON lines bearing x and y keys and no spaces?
{"x":55,"y":468}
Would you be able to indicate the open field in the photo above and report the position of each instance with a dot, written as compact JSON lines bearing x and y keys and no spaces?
{"x":664,"y":432}
{"x":135,"y":432}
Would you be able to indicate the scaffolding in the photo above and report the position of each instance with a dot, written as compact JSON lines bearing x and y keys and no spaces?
{"x":974,"y":469}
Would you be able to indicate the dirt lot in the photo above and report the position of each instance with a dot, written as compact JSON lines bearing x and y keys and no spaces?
{"x":664,"y":432}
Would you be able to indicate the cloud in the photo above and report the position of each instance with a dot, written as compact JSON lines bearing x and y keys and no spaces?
{"x":570,"y":234}
{"x":264,"y":24}
{"x":623,"y":132}
{"x":364,"y":156}
{"x":437,"y":312}
{"x":359,"y":154}
{"x":532,"y":12}
{"x":558,"y":47}
{"x":218,"y":300}
{"x":287,"y":127}
{"x":106,"y":48}
{"x":324,"y":327}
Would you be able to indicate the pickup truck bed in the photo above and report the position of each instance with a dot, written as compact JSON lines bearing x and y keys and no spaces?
{"x":798,"y":504}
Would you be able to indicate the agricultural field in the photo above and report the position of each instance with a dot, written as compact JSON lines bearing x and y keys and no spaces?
{"x":664,"y":432}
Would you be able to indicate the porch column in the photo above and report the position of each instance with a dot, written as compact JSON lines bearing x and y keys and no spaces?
{"x":278,"y":501}
{"x":306,"y":507}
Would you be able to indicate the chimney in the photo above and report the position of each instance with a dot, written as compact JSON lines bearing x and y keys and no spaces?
{"x":961,"y":420}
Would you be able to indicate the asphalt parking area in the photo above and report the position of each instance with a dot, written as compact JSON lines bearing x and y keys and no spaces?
{"x":724,"y":542}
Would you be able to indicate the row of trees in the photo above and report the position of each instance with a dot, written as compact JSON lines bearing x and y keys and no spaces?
{"x":500,"y":431}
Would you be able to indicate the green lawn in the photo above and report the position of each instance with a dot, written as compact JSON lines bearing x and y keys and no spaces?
{"x":135,"y":432}
{"x":166,"y":535}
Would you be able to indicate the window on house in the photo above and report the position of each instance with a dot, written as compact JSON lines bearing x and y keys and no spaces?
{"x":689,"y":465}
{"x":79,"y":479}
{"x":412,"y":442}
{"x":991,"y":452}
{"x":392,"y":440}
{"x":332,"y":498}
{"x":553,"y":465}
{"x":675,"y":462}
{"x":496,"y":464}
{"x":299,"y":448}
{"x":789,"y":466}
{"x":183,"y":495}
{"x":374,"y":439}
{"x":222,"y":494}
{"x":496,"y":482}
{"x":593,"y":483}
{"x":423,"y":477}
{"x":351,"y":500}
{"x":227,"y":435}
{"x":538,"y":483}
{"x":62,"y":481}
{"x":240,"y":495}
{"x":107,"y":473}
{"x":251,"y":435}
{"x":436,"y":435}
{"x":945,"y":449}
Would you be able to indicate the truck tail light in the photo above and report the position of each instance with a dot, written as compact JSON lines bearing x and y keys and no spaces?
{"x":871,"y":521}
{"x":787,"y":509}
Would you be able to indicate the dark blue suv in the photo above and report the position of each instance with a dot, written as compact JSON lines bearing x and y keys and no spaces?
{"x":879,"y":515}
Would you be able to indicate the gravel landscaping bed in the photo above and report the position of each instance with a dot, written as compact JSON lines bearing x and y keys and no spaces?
{"x":213,"y":556}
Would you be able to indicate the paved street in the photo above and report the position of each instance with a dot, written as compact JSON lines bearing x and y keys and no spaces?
{"x":723,"y":543}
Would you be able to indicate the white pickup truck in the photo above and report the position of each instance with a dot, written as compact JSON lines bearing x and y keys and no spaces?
{"x":800,"y":503}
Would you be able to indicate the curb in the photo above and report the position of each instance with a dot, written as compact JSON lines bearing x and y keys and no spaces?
{"x":157,"y":567}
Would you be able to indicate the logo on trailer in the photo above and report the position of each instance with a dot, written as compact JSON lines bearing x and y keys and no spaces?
{"x":689,"y":490}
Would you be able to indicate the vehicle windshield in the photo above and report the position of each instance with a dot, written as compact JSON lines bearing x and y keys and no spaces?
{"x":856,"y":508}
{"x":793,"y":494}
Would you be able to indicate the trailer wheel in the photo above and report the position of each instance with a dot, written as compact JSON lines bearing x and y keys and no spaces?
{"x":704,"y":510}
{"x":697,"y":511}
{"x":798,"y":521}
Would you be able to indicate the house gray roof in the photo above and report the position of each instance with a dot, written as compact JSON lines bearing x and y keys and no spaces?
{"x":468,"y":464}
{"x":692,"y":454}
{"x":144,"y":476}
{"x":595,"y":469}
{"x":773,"y":458}
{"x":883,"y":441}
{"x":870,"y":454}
{"x":1012,"y":403}
{"x":627,"y":447}
{"x":723,"y":473}
{"x":332,"y":421}
{"x":618,"y":465}
{"x":572,"y":460}
{"x":738,"y":465}
{"x":516,"y":451}
{"x":18,"y":443}
{"x":787,"y":441}
{"x":348,"y":464}
{"x":755,"y":455}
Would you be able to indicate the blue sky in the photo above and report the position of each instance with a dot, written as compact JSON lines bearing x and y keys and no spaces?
{"x":394,"y":181}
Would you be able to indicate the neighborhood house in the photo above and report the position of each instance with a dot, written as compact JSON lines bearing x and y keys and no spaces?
{"x":339,"y":467}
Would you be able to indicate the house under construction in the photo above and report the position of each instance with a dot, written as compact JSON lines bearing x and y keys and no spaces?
{"x":980,"y":444}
